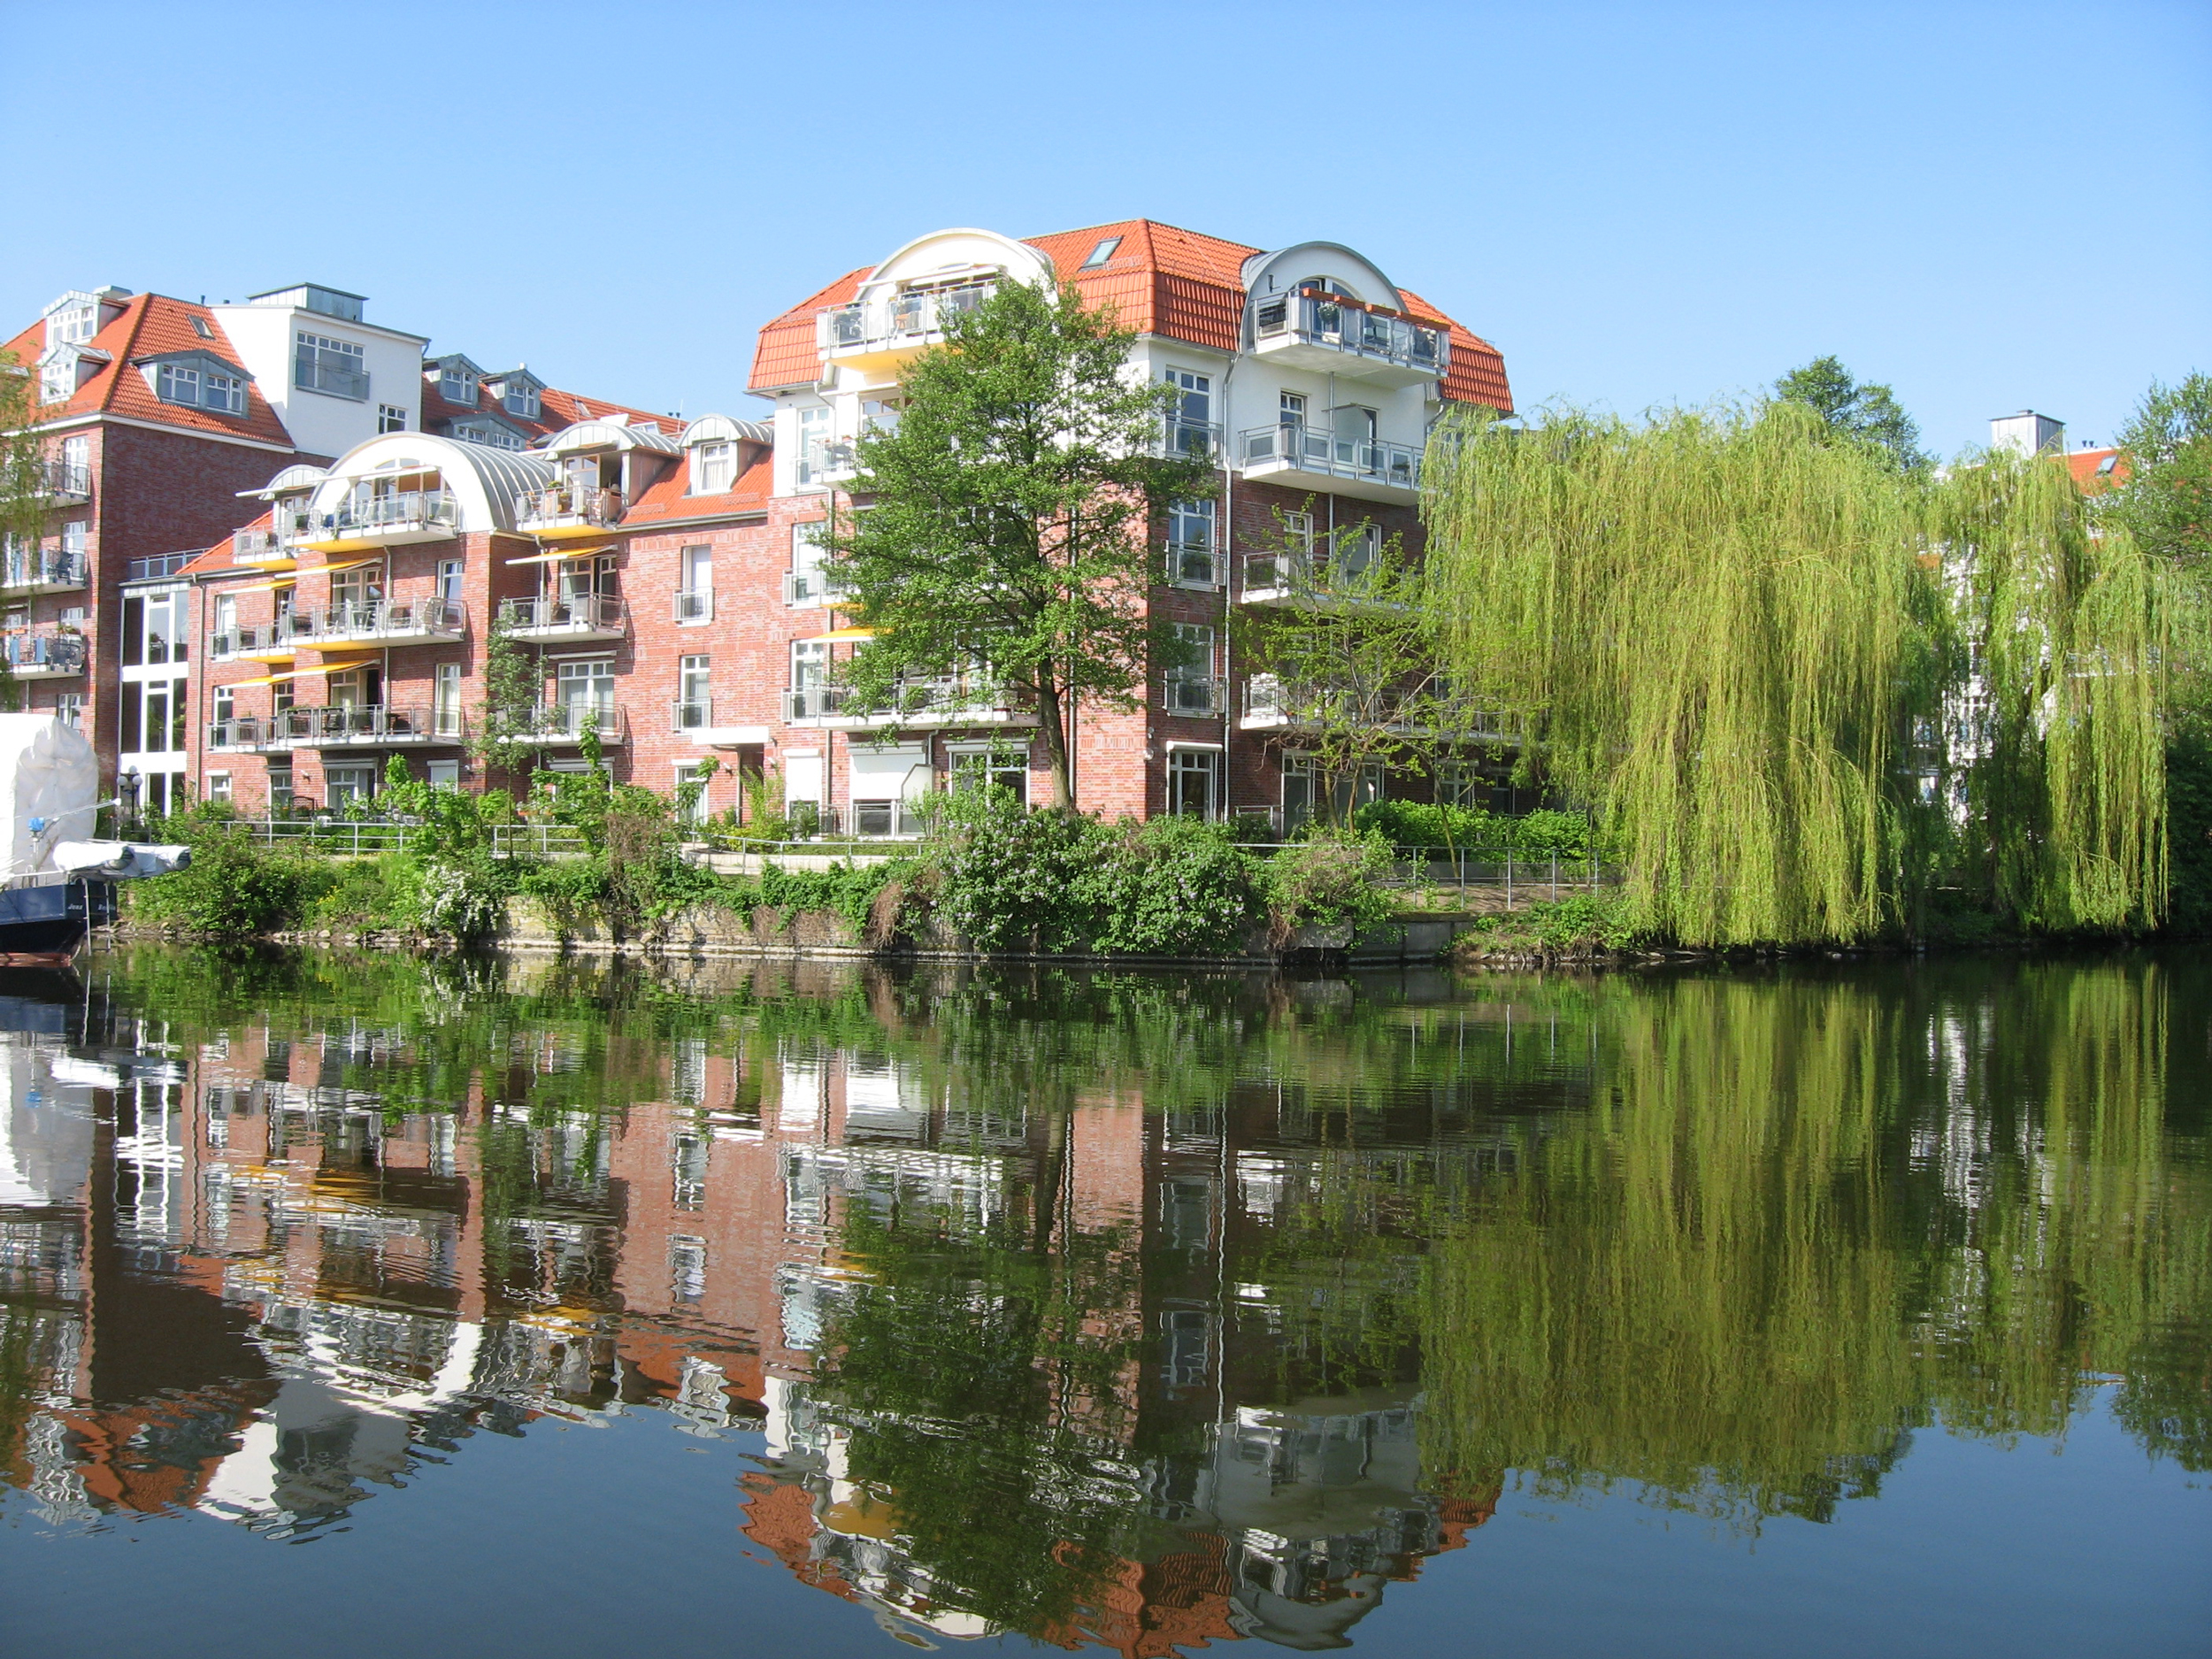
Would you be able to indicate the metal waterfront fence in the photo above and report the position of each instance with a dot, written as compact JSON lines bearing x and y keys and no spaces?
{"x":365,"y":837}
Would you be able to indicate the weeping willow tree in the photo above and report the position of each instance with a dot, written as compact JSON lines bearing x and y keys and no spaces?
{"x":1738,"y":642}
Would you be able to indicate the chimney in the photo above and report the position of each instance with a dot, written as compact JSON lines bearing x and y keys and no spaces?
{"x":2027,"y":433}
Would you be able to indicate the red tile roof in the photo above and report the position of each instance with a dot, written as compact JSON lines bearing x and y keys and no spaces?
{"x":556,"y":411}
{"x":665,"y":499}
{"x":150,"y":324}
{"x":217,"y":560}
{"x":1162,"y":280}
{"x":2090,"y":473}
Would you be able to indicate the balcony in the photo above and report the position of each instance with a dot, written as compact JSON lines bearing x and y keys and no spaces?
{"x":1331,"y":335}
{"x":695,"y":604}
{"x":275,"y":641}
{"x":567,"y":511}
{"x":878,"y":334}
{"x":1193,"y":564}
{"x":920,"y":705}
{"x":812,"y":588}
{"x":1306,"y":458}
{"x":1271,"y":705}
{"x":393,"y":521}
{"x":554,"y":724}
{"x":42,"y":653}
{"x":261,"y":547}
{"x":1297,"y":577}
{"x":694,"y":719}
{"x":825,"y":461}
{"x":379,"y":622}
{"x":47,"y":571}
{"x":63,"y":483}
{"x":1199,"y":440}
{"x":551,"y":619}
{"x":1204,"y":696}
{"x":338,"y":726}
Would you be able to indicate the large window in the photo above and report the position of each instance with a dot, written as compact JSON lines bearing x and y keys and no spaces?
{"x":390,"y":418}
{"x":713,"y":468}
{"x":347,"y":784}
{"x":587,"y":686}
{"x":154,"y":630}
{"x":337,"y":367}
{"x":695,"y":706}
{"x":1190,"y":683}
{"x":1193,"y":782}
{"x":1190,"y":544}
{"x":805,"y":585}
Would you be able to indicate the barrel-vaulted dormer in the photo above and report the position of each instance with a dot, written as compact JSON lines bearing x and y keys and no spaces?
{"x":1320,"y":306}
{"x":406,"y":487}
{"x":901,"y":303}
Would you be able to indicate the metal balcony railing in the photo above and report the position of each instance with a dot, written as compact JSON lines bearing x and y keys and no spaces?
{"x":1193,"y":694}
{"x":46,"y":568}
{"x":65,"y":480}
{"x":341,"y":724}
{"x":898,"y":319}
{"x":1193,"y":564}
{"x":692,"y":715}
{"x":565,"y":503}
{"x":255,"y":547}
{"x":1286,"y":571}
{"x":568,"y":721}
{"x":559,"y":614}
{"x":360,"y":621}
{"x":811,"y":703}
{"x":947,"y":702}
{"x":812,"y":585}
{"x":1342,"y":325}
{"x":402,"y":511}
{"x":1197,"y":438}
{"x":42,"y":651}
{"x":695,"y":604}
{"x":1311,"y":449}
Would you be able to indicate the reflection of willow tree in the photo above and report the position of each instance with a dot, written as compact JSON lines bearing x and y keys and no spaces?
{"x":981,"y":1401}
{"x":1739,"y":1281}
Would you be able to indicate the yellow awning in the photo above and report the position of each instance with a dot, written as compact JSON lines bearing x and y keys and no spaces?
{"x":841,"y":636}
{"x":555,"y":558}
{"x":262,"y":587}
{"x":315,"y":672}
{"x":350,"y":564}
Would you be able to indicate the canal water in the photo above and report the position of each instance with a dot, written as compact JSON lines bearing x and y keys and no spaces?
{"x":358,"y":1305}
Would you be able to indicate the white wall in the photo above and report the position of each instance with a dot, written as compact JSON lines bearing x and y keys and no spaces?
{"x":320,"y":423}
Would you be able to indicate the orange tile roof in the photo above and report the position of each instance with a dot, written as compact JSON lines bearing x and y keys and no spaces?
{"x":2089,"y":471}
{"x":665,"y":498}
{"x":150,"y":325}
{"x":217,"y":560}
{"x":556,"y":411}
{"x":1162,"y":280}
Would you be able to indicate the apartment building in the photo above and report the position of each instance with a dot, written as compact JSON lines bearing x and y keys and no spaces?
{"x":666,"y":580}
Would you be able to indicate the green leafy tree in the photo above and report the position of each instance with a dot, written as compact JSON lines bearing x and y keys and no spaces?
{"x":1006,"y":544}
{"x":22,"y":480}
{"x":2166,"y":503}
{"x":1861,"y":411}
{"x":514,"y":683}
{"x":1350,"y":658}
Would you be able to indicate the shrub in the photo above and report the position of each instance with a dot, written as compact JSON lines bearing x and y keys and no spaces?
{"x":1011,"y":879}
{"x":365,"y":894}
{"x":233,"y":886}
{"x":1173,"y":887}
{"x":1326,"y":879}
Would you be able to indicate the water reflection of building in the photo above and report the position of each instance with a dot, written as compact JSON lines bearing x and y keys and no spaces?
{"x":257,"y":1290}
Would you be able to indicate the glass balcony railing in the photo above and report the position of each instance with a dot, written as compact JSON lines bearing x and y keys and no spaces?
{"x":560,"y":616}
{"x":407,"y":512}
{"x":897,"y":319}
{"x":32,"y":652}
{"x":953,"y":701}
{"x":48,"y":568}
{"x":258,"y":547}
{"x":1198,"y":439}
{"x":1193,"y":564}
{"x":374,"y":621}
{"x":1193,"y":694}
{"x":1334,"y":324}
{"x":1292,"y":448}
{"x":567,"y":721}
{"x":65,"y":480}
{"x":691,"y":715}
{"x":335,"y":726}
{"x":568,"y":506}
{"x":695,"y":604}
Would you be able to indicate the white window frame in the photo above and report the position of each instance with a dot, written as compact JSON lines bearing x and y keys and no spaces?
{"x":713,"y":468}
{"x":457,"y":386}
{"x":391,"y":418}
{"x":1194,"y":547}
{"x":311,"y":357}
{"x":804,"y":586}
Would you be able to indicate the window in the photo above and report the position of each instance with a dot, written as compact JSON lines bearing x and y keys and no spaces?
{"x":993,"y":768}
{"x":225,"y":705}
{"x":1193,"y":396}
{"x":154,"y":629}
{"x":816,"y":443}
{"x":1356,"y":549}
{"x":587,"y":686}
{"x":450,"y":581}
{"x":713,"y":468}
{"x":456,"y":384}
{"x":491,"y":433}
{"x":1189,"y":684}
{"x":225,"y":630}
{"x":1193,"y":782}
{"x":1459,"y":784}
{"x":1190,"y":544}
{"x":687,"y":1269}
{"x":204,"y":328}
{"x":445,"y":700}
{"x":178,"y":383}
{"x":219,"y":785}
{"x":691,"y":1167}
{"x":72,"y":538}
{"x":1293,"y":407}
{"x":390,"y":418}
{"x":519,"y":397}
{"x":349,"y":784}
{"x":695,"y":707}
{"x":1101,"y":254}
{"x":691,"y":791}
{"x":694,"y":594}
{"x":280,"y":787}
{"x":880,"y":414}
{"x":805,"y":586}
{"x":337,"y":367}
{"x":69,"y":707}
{"x":74,"y":327}
{"x":200,"y":385}
{"x":153,"y":715}
{"x":810,"y":674}
{"x":225,"y":394}
{"x":443,"y":774}
{"x":57,"y":378}
{"x":280,"y":695}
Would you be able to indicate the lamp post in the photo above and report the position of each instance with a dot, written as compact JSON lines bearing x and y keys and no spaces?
{"x":126,"y":786}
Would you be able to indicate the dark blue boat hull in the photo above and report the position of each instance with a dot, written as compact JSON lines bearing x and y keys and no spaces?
{"x":50,"y":922}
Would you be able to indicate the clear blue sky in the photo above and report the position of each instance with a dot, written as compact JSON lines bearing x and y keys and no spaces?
{"x":1989,"y":207}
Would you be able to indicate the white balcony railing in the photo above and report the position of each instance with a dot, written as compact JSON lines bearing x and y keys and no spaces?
{"x":337,"y":725}
{"x":1193,"y":694}
{"x":378,"y":622}
{"x":1301,"y":449}
{"x":556,"y":617}
{"x":568,"y":507}
{"x":695,"y":604}
{"x":48,"y":568}
{"x":41,"y":653}
{"x":691,"y":715}
{"x":401,"y":514}
{"x":811,"y":586}
{"x":64,"y":482}
{"x":567,"y":722}
{"x":897,"y":320}
{"x":1337,"y":325}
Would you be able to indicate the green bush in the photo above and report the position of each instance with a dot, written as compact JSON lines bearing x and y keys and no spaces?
{"x":365,"y":894}
{"x":232,"y":885}
{"x":1173,"y":885}
{"x":1326,"y":879}
{"x":1011,"y":879}
{"x":1426,"y":827}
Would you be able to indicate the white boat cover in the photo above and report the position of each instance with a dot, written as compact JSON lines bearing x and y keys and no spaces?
{"x":50,"y":777}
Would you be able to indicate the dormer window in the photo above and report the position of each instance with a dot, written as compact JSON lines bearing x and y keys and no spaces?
{"x":713,"y":468}
{"x":204,"y":328}
{"x":73,"y":326}
{"x":517,"y":393}
{"x":496,"y":434}
{"x":456,"y":384}
{"x":200,"y":384}
{"x":57,"y":377}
